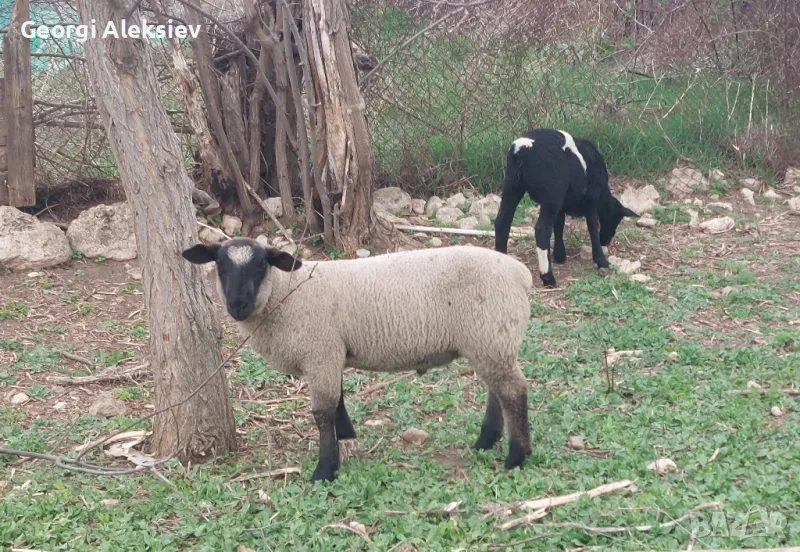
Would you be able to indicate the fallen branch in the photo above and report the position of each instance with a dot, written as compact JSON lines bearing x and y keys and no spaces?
{"x":550,"y":502}
{"x":274,"y":473}
{"x":269,"y":213}
{"x":459,"y":231}
{"x":522,"y":521}
{"x":641,"y":528}
{"x":789,"y":391}
{"x":77,"y":358}
{"x":372,"y":388}
{"x":104,"y":376}
{"x":217,"y":230}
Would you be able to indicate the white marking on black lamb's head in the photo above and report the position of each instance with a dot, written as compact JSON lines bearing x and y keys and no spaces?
{"x":520,"y":143}
{"x":242,"y":267}
{"x":569,"y":144}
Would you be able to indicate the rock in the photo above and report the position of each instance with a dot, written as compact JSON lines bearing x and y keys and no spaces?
{"x":419,"y":235}
{"x":586,"y":253}
{"x":776,"y":411}
{"x":772,"y":194}
{"x":362,"y":253}
{"x":278,"y":241}
{"x":640,"y":200}
{"x":305,"y":252}
{"x":28,"y":244}
{"x":697,"y":202}
{"x":640,"y":278}
{"x":663,"y":466}
{"x":750,"y":183}
{"x":274,"y":206}
{"x":721,"y":205}
{"x":18,"y":399}
{"x":104,"y":231}
{"x":488,"y":206}
{"x":794,"y":205}
{"x":467,"y":223}
{"x":448,"y":214}
{"x":420,"y":221}
{"x":624,"y":265}
{"x":717,"y":225}
{"x":684,"y":180}
{"x":433,"y":204}
{"x":673,"y":356}
{"x":716,"y":175}
{"x":792,"y":177}
{"x":263,"y":240}
{"x":647,"y":221}
{"x":207,"y":235}
{"x":575,"y":442}
{"x":455,"y":200}
{"x":35,"y":274}
{"x":694,"y":219}
{"x":748,"y":195}
{"x":290,"y":248}
{"x":418,"y":206}
{"x":231,"y":225}
{"x":415,"y":436}
{"x":713,"y":197}
{"x":60,"y":405}
{"x":134,"y":272}
{"x":393,"y":200}
{"x":107,"y":406}
{"x":434,"y":242}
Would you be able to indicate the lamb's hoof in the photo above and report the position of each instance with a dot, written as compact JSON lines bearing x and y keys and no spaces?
{"x":549,"y":280}
{"x":560,"y":257}
{"x":325,"y":472}
{"x":604,"y":271}
{"x":517,"y":454}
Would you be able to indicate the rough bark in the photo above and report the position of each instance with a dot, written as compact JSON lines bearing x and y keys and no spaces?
{"x":183,"y":326}
{"x":341,"y":125}
{"x":19,"y":108}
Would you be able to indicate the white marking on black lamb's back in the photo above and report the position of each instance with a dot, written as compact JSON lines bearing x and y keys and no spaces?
{"x":570,"y":145}
{"x":520,"y":143}
{"x":240,"y":255}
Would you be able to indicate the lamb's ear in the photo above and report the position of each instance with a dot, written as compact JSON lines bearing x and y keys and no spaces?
{"x":627,"y":212}
{"x":201,"y":253}
{"x":282,"y":260}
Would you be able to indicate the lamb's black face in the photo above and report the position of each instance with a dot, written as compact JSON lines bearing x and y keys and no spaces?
{"x":242,"y":266}
{"x":610,"y":217}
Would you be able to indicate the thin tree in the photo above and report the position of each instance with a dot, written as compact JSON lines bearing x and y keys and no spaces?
{"x":183,"y":327}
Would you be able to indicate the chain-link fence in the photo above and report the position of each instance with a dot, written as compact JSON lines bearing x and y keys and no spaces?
{"x":706,"y":81}
{"x":653,"y":82}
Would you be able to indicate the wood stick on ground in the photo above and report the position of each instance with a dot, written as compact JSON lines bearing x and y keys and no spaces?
{"x":269,"y":213}
{"x":77,"y":358}
{"x":522,"y":521}
{"x":789,"y":391}
{"x":274,"y":473}
{"x":640,"y":528}
{"x":380,"y":385}
{"x":550,"y":502}
{"x":104,"y":376}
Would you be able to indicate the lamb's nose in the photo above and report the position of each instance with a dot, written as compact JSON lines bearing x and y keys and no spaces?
{"x":238,"y":306}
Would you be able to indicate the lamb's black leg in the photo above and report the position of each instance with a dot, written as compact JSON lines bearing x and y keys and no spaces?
{"x":492,"y":427}
{"x":593,"y":224}
{"x":559,"y":251}
{"x":328,"y":463}
{"x":543,"y":231}
{"x":512,"y":194}
{"x":344,"y":427}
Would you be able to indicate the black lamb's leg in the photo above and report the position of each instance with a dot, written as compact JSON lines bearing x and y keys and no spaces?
{"x":559,"y":251}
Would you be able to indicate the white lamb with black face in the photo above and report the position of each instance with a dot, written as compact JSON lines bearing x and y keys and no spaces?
{"x":404,"y":311}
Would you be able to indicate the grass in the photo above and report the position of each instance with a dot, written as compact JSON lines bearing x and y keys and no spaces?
{"x":674,"y":402}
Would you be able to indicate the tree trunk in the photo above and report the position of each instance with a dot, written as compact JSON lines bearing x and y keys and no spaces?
{"x":341,"y":124}
{"x":183,"y":326}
